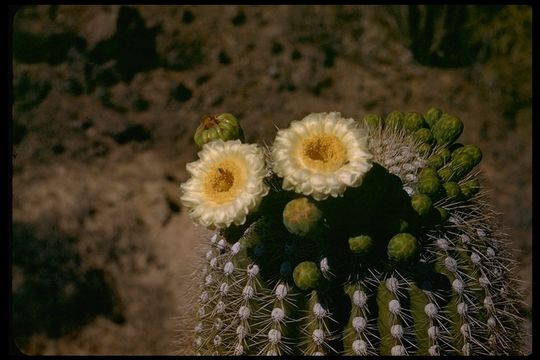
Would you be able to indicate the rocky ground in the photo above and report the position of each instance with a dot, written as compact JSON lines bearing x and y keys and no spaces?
{"x":106,"y":99}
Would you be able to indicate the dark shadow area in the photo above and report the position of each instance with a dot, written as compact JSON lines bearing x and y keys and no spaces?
{"x":135,"y":132}
{"x":29,"y":92}
{"x":120,"y":50}
{"x":109,"y":62}
{"x":51,"y":49}
{"x":55,"y":295}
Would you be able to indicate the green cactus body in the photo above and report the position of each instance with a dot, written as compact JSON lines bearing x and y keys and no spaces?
{"x":317,"y":327}
{"x":390,"y":318}
{"x":425,"y":329}
{"x":358,"y":334}
{"x":303,"y":277}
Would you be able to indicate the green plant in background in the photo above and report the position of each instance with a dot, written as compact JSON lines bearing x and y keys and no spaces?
{"x":439,"y":35}
{"x":496,"y":40}
{"x":351,"y":237}
{"x":506,"y":54}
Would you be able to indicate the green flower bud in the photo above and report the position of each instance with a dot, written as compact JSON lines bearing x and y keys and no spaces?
{"x":301,"y":216}
{"x":447,"y":129}
{"x":452,"y":190}
{"x":421,"y":203}
{"x":402,"y":247}
{"x":413,"y":121}
{"x":436,"y":161}
{"x":424,"y":149}
{"x":223,"y":126}
{"x":470,"y":188}
{"x":444,"y":153}
{"x":306,"y":275}
{"x":432,"y":116}
{"x":429,"y":185}
{"x":360,"y":244}
{"x":461,"y":165}
{"x":394,"y":120}
{"x":472,"y":150}
{"x":428,"y":171}
{"x":424,"y":135}
{"x":373,"y":120}
{"x":446,"y":174}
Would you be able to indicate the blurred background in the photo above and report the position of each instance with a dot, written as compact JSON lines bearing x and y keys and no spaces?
{"x":106,"y":99}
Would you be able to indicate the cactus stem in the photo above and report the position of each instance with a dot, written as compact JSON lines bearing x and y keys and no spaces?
{"x":455,"y":294}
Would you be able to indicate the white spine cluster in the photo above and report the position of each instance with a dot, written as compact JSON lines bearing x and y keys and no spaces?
{"x":477,"y":262}
{"x":360,"y":330}
{"x":273,"y":322}
{"x":225,"y":301}
{"x":325,"y":268}
{"x":210,"y":325}
{"x":315,"y":328}
{"x":398,"y":153}
{"x":400,"y":320}
{"x":437,"y":331}
{"x":489,"y":262}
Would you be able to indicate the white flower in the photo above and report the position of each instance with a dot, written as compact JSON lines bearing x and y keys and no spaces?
{"x":227,"y":182}
{"x":321,"y":155}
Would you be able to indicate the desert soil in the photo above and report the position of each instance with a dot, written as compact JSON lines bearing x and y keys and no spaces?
{"x":106,"y":99}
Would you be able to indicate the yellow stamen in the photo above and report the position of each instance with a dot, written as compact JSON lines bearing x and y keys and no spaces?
{"x":323,"y":153}
{"x":224,"y":181}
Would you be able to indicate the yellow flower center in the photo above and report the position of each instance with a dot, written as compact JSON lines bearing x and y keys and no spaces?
{"x":224,"y":181}
{"x":323,"y":153}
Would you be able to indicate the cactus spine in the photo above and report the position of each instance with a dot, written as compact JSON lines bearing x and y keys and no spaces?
{"x":409,"y":262}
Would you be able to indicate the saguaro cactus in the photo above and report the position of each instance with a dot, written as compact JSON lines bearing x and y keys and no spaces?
{"x":351,"y":237}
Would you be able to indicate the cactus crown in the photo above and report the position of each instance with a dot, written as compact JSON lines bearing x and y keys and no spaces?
{"x":407,"y":259}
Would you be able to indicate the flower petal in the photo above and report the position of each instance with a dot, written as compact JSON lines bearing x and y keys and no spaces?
{"x":205,"y":210}
{"x":308,"y":180}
